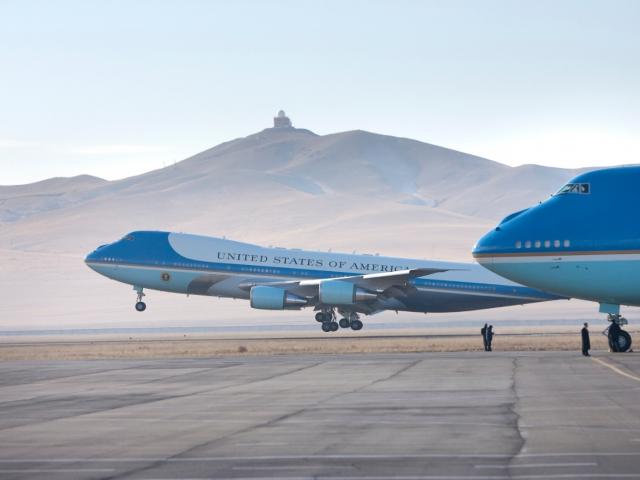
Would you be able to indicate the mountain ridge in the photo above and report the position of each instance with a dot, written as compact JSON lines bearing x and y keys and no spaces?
{"x":345,"y":191}
{"x":278,"y":171}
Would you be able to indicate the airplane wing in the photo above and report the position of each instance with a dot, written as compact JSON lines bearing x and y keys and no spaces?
{"x":381,"y":283}
{"x":378,"y":281}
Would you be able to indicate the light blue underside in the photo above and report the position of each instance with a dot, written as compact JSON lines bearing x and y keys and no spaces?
{"x":180,"y":279}
{"x":149,"y":278}
{"x":439,"y":296}
{"x":614,"y":282}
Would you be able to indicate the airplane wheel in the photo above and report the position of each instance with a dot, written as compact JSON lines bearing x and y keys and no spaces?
{"x":624,"y":341}
{"x":344,"y":323}
{"x":320,"y":317}
{"x":326,"y":327}
{"x":141,"y":306}
{"x":334,"y":326}
{"x":356,"y":325}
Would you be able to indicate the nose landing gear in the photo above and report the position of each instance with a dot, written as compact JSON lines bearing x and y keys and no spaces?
{"x":619,"y":340}
{"x":140,"y":305}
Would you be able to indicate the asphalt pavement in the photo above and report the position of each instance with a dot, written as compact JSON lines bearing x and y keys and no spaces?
{"x":438,"y":416}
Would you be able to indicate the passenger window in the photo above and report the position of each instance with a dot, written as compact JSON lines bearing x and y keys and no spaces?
{"x":556,"y":243}
{"x":547,"y":244}
{"x":527,"y":244}
{"x":567,"y":243}
{"x":538,"y":244}
{"x":518,"y":244}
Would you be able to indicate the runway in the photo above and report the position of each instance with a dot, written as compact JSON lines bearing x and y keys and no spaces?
{"x":436,"y":416}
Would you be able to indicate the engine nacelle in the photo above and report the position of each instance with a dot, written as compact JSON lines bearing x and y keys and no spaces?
{"x":338,"y":292}
{"x":274,"y":298}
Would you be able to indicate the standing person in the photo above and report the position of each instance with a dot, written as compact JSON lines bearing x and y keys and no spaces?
{"x":483,"y":332}
{"x":489,"y":337}
{"x":586,"y":343}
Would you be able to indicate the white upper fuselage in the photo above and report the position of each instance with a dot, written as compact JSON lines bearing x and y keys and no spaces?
{"x":195,"y":264}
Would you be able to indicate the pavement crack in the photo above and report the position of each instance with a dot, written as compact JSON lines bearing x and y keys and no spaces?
{"x":138,"y":400}
{"x":209,"y":443}
{"x":399,"y":372}
{"x":521,"y":441}
{"x":379,"y":380}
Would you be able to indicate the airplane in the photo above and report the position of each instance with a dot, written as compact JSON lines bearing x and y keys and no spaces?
{"x":582,"y":242}
{"x":285,"y":279}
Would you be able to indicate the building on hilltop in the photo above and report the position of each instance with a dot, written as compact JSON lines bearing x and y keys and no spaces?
{"x":281,"y":121}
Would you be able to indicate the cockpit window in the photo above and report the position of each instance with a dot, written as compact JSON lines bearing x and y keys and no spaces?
{"x":577,"y":188}
{"x":128,"y":238}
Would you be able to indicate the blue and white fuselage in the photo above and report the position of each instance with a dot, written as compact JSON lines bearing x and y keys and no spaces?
{"x":583,"y":242}
{"x":276,"y":278}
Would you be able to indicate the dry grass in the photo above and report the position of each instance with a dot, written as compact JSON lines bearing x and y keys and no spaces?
{"x":209,"y":347}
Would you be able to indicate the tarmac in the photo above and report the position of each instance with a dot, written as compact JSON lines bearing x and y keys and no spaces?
{"x":436,"y":416}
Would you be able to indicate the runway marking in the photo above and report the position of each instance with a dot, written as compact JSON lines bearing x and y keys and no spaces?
{"x":289,"y":467}
{"x":543,"y":465}
{"x":340,"y":421}
{"x":316,"y":457}
{"x":56,"y":470}
{"x":616,"y":369}
{"x":261,"y":444}
{"x":427,"y":477}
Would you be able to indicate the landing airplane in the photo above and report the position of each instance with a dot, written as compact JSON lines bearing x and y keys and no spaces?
{"x":583,"y":242}
{"x":283,"y":279}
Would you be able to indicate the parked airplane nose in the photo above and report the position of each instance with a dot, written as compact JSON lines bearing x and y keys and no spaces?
{"x":98,"y":254}
{"x":489,"y":244}
{"x":503,"y":239}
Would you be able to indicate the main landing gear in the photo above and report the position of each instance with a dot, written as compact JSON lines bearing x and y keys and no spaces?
{"x":619,"y":340}
{"x":350,"y":320}
{"x":140,"y":305}
{"x":328,"y":319}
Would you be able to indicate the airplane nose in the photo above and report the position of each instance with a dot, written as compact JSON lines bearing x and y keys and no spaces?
{"x":89,"y":259}
{"x":503,"y":239}
{"x":96,"y":255}
{"x":486,"y":245}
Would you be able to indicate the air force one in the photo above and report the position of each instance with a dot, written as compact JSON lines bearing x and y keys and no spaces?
{"x":583,"y":242}
{"x":335,"y":285}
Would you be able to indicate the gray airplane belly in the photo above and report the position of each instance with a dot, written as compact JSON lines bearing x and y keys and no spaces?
{"x":447,"y":301}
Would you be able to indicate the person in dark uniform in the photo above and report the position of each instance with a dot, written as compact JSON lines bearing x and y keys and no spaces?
{"x":489,"y":337}
{"x":614,"y":331}
{"x":586,"y":343}
{"x":483,"y":332}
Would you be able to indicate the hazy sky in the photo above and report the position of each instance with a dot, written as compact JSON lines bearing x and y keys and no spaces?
{"x":115,"y":88}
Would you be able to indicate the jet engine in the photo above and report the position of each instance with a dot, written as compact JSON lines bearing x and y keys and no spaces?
{"x":274,"y":298}
{"x":338,"y":292}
